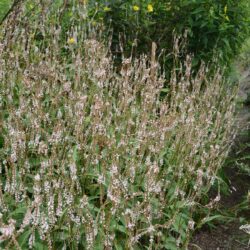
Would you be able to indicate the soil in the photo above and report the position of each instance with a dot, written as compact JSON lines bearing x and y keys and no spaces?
{"x":228,"y":236}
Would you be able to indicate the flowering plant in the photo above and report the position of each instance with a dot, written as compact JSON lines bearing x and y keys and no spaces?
{"x":92,"y":156}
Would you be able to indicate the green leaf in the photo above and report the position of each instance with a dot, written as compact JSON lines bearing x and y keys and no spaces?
{"x":121,"y":229}
{"x":75,"y":154}
{"x":40,"y":246}
{"x":170,"y":243}
{"x":18,"y":211}
{"x":118,"y":246}
{"x":23,"y":239}
{"x":165,"y":90}
{"x":211,"y":218}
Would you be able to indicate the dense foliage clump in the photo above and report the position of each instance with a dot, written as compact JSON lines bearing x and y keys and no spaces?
{"x":93,"y":157}
{"x":213,"y":26}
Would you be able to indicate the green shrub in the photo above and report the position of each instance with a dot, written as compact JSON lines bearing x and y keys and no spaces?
{"x":214,"y":26}
{"x":90,"y":158}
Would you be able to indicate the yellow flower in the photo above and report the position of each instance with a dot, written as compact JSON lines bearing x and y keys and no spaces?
{"x":71,"y":40}
{"x":136,"y":8}
{"x":106,"y":9}
{"x":225,"y":9}
{"x":227,"y":18}
{"x":150,"y":8}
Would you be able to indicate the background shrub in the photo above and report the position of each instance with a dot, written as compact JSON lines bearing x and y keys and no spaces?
{"x":214,"y":26}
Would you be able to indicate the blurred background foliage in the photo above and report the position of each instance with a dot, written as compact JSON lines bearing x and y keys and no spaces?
{"x":214,"y":27}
